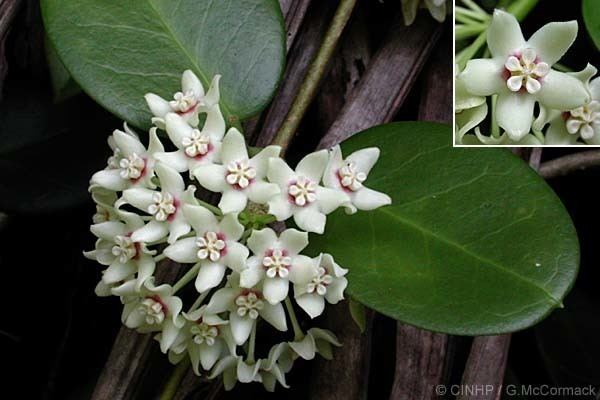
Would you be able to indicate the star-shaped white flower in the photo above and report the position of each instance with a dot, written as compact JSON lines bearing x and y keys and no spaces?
{"x":301,"y":195}
{"x":437,"y":9}
{"x":116,"y":249}
{"x":328,"y":284}
{"x":244,"y":307}
{"x":316,"y":341}
{"x":214,"y":248}
{"x":520,"y":72}
{"x":239,"y":178}
{"x":278,"y":363}
{"x":566,"y":128}
{"x":195,"y":146}
{"x":276,"y":262}
{"x":131,"y":165}
{"x":151,"y":309}
{"x":234,"y":369}
{"x":349,"y":175}
{"x":188,"y":103}
{"x":164,"y":206}
{"x":204,"y":337}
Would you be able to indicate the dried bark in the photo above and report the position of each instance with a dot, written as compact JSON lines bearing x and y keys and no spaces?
{"x":8,"y":10}
{"x":570,"y":163}
{"x":294,"y":11}
{"x":388,"y":80}
{"x":375,"y":100}
{"x":484,"y":372}
{"x":421,"y":356}
{"x":300,"y":57}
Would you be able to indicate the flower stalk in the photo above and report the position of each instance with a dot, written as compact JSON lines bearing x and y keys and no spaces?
{"x":316,"y":73}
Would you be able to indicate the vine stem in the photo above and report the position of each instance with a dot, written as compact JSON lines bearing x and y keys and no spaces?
{"x":175,"y":380}
{"x":185,"y":279}
{"x":298,"y":334}
{"x":252,"y":344}
{"x":314,"y":75}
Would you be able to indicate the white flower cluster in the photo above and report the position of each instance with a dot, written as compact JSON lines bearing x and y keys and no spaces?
{"x":241,"y":268}
{"x":437,"y":8}
{"x":518,"y":75}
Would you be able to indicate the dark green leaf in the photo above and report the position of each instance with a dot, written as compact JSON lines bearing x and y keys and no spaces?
{"x":119,"y":50}
{"x":474,"y":242}
{"x":591,"y":17}
{"x":62,"y":83}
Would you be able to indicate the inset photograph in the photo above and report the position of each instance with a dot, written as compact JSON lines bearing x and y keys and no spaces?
{"x":526,"y":73}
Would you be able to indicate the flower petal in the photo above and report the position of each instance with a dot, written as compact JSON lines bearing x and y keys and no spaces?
{"x":330,"y":199}
{"x":261,"y":192}
{"x":128,"y":144}
{"x":369,"y":199}
{"x":595,"y":89}
{"x":209,"y":276}
{"x":312,"y":303}
{"x":280,"y":207}
{"x":335,"y":291}
{"x":262,"y":240}
{"x":253,"y":274}
{"x":151,"y":232}
{"x":557,"y":134}
{"x":260,"y":161}
{"x":483,"y":77}
{"x":159,"y":106}
{"x":240,"y":327}
{"x":174,"y":159}
{"x":330,"y":177}
{"x":214,"y":126}
{"x":364,"y":159}
{"x":189,"y":81}
{"x":303,"y":269}
{"x":514,"y":112}
{"x":140,"y":198}
{"x":310,"y":219}
{"x":293,"y":240}
{"x":233,"y":201}
{"x":118,"y":272}
{"x":275,"y":290}
{"x":504,"y":35}
{"x":231,"y":227}
{"x":236,"y":256}
{"x":177,"y":129}
{"x":211,"y":177}
{"x":109,"y":230}
{"x":247,"y":372}
{"x":562,"y":91}
{"x":110,"y":179}
{"x":168,"y":336}
{"x":200,"y":218}
{"x":170,"y":180}
{"x":178,"y":227}
{"x":234,"y":147}
{"x":213,"y":95}
{"x":279,"y":172}
{"x":313,"y":165}
{"x":183,"y":251}
{"x":221,"y":300}
{"x":274,"y":315}
{"x":210,"y":354}
{"x":553,"y":40}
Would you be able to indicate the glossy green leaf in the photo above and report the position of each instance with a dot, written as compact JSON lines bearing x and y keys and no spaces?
{"x":474,"y":243}
{"x":119,"y":50}
{"x":591,"y":17}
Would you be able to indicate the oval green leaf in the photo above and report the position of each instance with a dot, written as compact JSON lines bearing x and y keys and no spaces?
{"x":474,"y":243}
{"x":117,"y":51}
{"x":591,"y":17}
